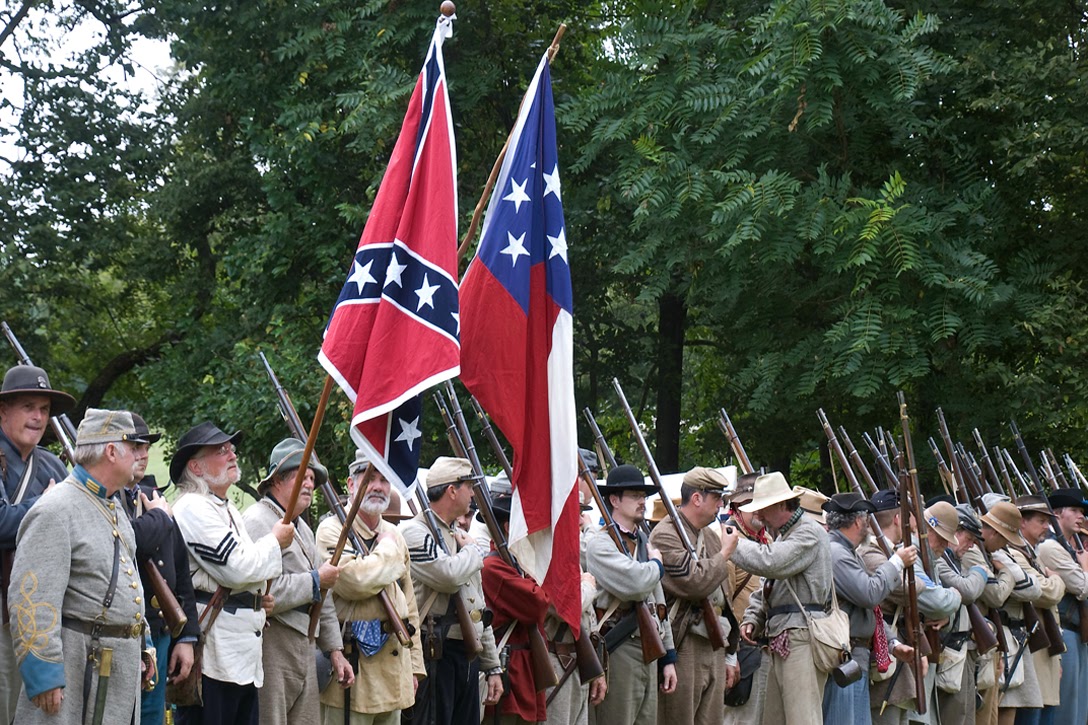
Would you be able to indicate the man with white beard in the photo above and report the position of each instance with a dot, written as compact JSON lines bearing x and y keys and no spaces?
{"x":386,"y":675}
{"x":223,"y":554}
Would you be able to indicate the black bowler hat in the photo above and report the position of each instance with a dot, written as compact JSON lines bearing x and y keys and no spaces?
{"x":32,"y":380}
{"x":1068,"y":498}
{"x":626,"y":478}
{"x":205,"y":434}
{"x":885,"y":499}
{"x":848,"y":503}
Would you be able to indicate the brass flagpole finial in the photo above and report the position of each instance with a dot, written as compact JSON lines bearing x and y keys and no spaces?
{"x":447,"y":8}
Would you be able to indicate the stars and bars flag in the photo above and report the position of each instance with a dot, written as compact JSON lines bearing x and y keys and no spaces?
{"x":517,"y":343}
{"x":393,"y":331}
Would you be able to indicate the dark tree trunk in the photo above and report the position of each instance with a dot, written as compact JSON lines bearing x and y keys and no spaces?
{"x":672,"y":319}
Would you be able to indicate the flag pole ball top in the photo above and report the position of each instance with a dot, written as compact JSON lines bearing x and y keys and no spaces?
{"x":447,"y":8}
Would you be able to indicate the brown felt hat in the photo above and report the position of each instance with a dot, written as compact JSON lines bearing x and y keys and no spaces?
{"x":943,"y":518}
{"x":1004,"y":518}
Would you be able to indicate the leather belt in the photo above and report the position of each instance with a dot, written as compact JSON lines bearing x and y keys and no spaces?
{"x":97,"y":630}
{"x":242,"y":600}
{"x":563,"y":649}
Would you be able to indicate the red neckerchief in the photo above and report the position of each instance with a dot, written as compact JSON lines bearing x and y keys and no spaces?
{"x":758,"y":536}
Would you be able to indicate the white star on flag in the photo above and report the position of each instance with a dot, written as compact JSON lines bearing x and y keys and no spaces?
{"x":551,"y":183}
{"x":360,"y":275}
{"x":409,"y":432}
{"x":426,"y":294}
{"x":516,"y":248}
{"x":559,"y":245}
{"x":457,"y":319}
{"x":517,"y":194}
{"x":393,"y":271}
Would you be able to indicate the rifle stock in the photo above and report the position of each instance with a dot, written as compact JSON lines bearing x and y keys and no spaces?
{"x":715,"y":635}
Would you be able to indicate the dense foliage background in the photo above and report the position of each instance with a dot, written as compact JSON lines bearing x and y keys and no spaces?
{"x":772,"y":207}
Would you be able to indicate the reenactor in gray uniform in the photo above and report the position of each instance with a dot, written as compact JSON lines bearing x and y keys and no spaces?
{"x":1034,"y":526}
{"x":622,"y":583}
{"x":936,"y":605}
{"x":956,"y":681}
{"x":1071,"y":564}
{"x":290,"y":691}
{"x":77,"y":608}
{"x":26,"y":402}
{"x":702,"y":674}
{"x":450,"y":693}
{"x":798,"y":558}
{"x":1001,"y":532}
{"x":860,"y":594}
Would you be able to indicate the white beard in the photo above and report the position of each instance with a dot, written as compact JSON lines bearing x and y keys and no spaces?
{"x":375,"y":504}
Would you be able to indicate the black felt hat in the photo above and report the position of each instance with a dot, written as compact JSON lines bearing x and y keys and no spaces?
{"x":205,"y":434}
{"x":1068,"y":498}
{"x":626,"y":478}
{"x":848,"y":503}
{"x":32,"y":380}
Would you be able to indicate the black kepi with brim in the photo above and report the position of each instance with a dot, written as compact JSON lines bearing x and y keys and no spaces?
{"x":143,"y":431}
{"x":32,"y":380}
{"x":885,"y":499}
{"x":848,"y":503}
{"x":1068,"y":498}
{"x":205,"y":434}
{"x":626,"y":478}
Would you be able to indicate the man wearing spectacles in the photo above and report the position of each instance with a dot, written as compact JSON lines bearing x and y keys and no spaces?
{"x":223,"y":555}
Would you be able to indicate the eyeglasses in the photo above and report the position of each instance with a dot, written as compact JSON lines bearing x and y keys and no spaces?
{"x":223,"y":450}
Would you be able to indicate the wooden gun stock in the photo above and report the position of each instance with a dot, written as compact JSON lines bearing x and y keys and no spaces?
{"x":543,"y":672}
{"x":589,"y":664}
{"x":1037,"y":637}
{"x":653,"y":647}
{"x":714,"y":631}
{"x":172,"y":613}
{"x":983,"y":634}
{"x":994,"y":615}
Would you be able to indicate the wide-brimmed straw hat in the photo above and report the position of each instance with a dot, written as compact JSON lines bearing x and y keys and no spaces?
{"x":769,"y":489}
{"x":1004,"y":518}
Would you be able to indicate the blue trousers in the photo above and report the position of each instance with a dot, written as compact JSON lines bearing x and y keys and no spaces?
{"x":1074,"y":683}
{"x":225,"y":703}
{"x":153,"y":704}
{"x":848,"y":705}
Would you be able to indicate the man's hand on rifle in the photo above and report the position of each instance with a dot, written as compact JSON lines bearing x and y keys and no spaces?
{"x":463,"y":539}
{"x":652,"y":552}
{"x":909,"y":555}
{"x":902,"y":652}
{"x":730,"y":537}
{"x":284,"y":533}
{"x":327,"y":575}
{"x":156,"y":502}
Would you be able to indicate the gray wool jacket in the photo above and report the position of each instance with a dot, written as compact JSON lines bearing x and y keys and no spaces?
{"x":800,"y":555}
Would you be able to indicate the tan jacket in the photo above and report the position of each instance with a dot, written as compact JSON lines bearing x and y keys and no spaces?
{"x":384,"y":681}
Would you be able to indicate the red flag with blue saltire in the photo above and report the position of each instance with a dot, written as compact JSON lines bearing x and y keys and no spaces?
{"x":517,"y":347}
{"x":393,"y":332}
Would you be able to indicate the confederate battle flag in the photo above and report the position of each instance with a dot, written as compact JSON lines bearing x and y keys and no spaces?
{"x":393,"y":331}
